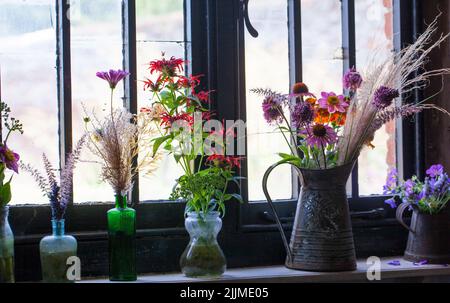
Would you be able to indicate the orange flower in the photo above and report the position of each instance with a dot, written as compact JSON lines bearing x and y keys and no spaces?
{"x":322,"y":116}
{"x":338,"y":118}
{"x":311,"y":100}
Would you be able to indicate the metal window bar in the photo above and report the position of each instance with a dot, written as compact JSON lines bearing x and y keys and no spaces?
{"x":64,"y":80}
{"x":129,"y":52}
{"x":349,"y":51}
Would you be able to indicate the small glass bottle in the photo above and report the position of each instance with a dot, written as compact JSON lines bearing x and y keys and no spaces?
{"x":55,"y":250}
{"x":6,"y":248}
{"x":122,"y":241}
{"x":203,"y":256}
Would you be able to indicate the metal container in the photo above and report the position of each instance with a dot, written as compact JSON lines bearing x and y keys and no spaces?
{"x":429,"y":236}
{"x":322,"y":238}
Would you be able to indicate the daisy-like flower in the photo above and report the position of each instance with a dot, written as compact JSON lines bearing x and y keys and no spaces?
{"x":9,"y":158}
{"x":113,"y":77}
{"x":320,"y":135}
{"x":273,"y":111}
{"x":322,"y":116}
{"x":332,"y":102}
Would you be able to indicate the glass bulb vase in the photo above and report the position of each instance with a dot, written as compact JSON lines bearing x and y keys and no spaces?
{"x":6,"y":248}
{"x":203,"y":256}
{"x":55,"y":250}
{"x":122,"y":241}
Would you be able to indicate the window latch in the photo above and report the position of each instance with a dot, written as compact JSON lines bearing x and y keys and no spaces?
{"x":252,"y":31}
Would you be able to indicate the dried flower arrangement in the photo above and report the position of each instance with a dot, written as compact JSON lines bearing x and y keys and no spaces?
{"x":332,"y":130}
{"x":177,"y":103}
{"x":59,"y":194}
{"x":118,"y":140}
{"x":8,"y":158}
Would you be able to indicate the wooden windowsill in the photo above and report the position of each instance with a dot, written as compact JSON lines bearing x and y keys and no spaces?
{"x":281,"y":274}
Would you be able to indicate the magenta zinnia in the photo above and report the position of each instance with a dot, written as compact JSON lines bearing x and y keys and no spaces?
{"x":320,"y":135}
{"x":332,"y":102}
{"x":113,"y":77}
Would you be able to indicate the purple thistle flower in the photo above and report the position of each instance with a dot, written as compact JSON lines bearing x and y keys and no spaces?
{"x":303,"y":114}
{"x":435,"y":170}
{"x":383,"y":96}
{"x":273,"y":111}
{"x":352,"y":79}
{"x":9,"y":158}
{"x":113,"y":77}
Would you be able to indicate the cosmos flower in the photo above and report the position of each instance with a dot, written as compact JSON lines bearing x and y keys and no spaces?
{"x":352,"y":79}
{"x":113,"y":77}
{"x":320,"y":135}
{"x":9,"y":158}
{"x":383,"y":97}
{"x":332,"y":102}
{"x":273,"y":111}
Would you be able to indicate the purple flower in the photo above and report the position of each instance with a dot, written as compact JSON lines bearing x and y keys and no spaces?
{"x":9,"y":158}
{"x":273,"y":111}
{"x":422,"y":262}
{"x":391,"y":182}
{"x":303,"y":114}
{"x":352,"y":79}
{"x":332,"y":102}
{"x":113,"y":77}
{"x":435,"y":170}
{"x":383,"y":96}
{"x":320,"y":135}
{"x":394,"y":263}
{"x":391,"y":202}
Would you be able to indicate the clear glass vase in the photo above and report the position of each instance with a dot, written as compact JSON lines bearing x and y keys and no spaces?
{"x":122,"y":241}
{"x":203,"y":256}
{"x":55,"y":250}
{"x":6,"y":248}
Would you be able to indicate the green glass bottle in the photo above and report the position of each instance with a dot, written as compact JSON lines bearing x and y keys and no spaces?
{"x":122,"y":241}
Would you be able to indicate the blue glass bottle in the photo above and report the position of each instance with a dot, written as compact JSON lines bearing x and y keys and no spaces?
{"x":55,"y":250}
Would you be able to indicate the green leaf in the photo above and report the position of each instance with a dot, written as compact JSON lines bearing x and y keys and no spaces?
{"x":158,"y":142}
{"x":5,"y":193}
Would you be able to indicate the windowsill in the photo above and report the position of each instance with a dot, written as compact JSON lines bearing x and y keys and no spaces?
{"x":281,"y":274}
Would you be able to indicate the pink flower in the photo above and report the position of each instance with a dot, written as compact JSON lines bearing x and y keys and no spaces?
{"x":9,"y":158}
{"x":320,"y":135}
{"x":332,"y":102}
{"x":113,"y":77}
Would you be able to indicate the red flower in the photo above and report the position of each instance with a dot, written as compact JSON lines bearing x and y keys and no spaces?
{"x":189,"y":82}
{"x":168,"y":120}
{"x":153,"y":86}
{"x":167,"y":67}
{"x":224,"y":161}
{"x":203,"y":95}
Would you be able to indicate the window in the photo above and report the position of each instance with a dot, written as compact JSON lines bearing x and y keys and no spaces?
{"x":293,"y":44}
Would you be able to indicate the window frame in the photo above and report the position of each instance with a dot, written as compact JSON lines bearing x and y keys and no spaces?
{"x":217,"y":49}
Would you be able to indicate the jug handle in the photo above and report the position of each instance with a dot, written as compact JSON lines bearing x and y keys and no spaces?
{"x":272,"y":207}
{"x":399,"y":215}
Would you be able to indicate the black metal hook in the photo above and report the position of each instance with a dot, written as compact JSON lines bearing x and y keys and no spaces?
{"x":253,"y":32}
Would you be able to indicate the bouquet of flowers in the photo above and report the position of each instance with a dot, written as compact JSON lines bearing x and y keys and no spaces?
{"x":118,"y":139}
{"x":59,"y":194}
{"x":8,"y":158}
{"x":180,"y":113}
{"x":331,"y":130}
{"x":430,"y":196}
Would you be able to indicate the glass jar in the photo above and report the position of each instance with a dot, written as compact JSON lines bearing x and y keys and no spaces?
{"x":6,"y":248}
{"x":122,"y":241}
{"x":55,"y":250}
{"x":203,"y":256}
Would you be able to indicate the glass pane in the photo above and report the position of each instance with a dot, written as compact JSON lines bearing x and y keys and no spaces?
{"x":96,"y":46}
{"x":267,"y":66}
{"x":160,"y":28}
{"x":374,"y":44}
{"x":27,"y":60}
{"x":322,"y":45}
